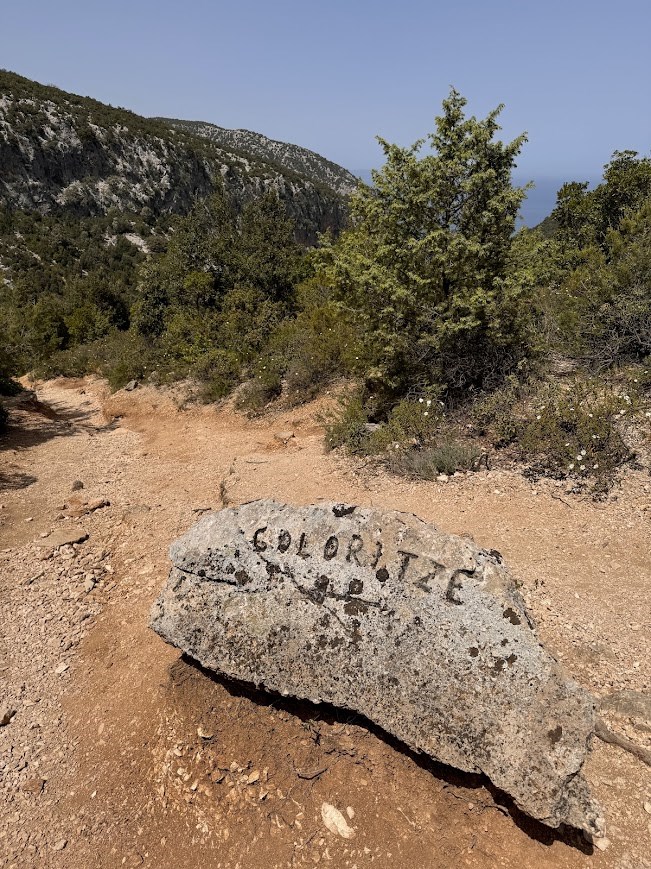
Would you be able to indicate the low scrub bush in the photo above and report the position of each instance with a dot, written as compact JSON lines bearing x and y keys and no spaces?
{"x":494,"y":414}
{"x":120,"y":357}
{"x":264,"y":387}
{"x":571,"y":431}
{"x":347,"y":427}
{"x":319,"y":345}
{"x":129,"y":357}
{"x":218,"y":372}
{"x":575,"y":432}
{"x":74,"y":362}
{"x":412,"y":422}
{"x":186,"y":341}
{"x":444,"y":459}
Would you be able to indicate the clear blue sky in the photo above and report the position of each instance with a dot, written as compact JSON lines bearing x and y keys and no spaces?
{"x":576,"y":74}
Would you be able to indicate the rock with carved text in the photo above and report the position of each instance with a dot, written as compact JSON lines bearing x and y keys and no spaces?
{"x":378,"y":612}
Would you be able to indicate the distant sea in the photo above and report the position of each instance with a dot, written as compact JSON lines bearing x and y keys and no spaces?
{"x":541,"y":199}
{"x":539,"y":202}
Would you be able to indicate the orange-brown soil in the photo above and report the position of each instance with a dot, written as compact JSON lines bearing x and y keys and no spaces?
{"x":122,"y":753}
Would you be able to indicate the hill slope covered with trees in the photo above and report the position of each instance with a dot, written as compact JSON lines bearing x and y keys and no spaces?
{"x":65,"y":154}
{"x":300,"y":160}
{"x":462,"y":341}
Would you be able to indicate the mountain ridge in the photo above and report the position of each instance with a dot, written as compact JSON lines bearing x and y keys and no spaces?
{"x":66,"y":153}
{"x":295,"y":157}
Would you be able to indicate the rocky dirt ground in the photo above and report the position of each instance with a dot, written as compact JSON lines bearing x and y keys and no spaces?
{"x":118,"y":752}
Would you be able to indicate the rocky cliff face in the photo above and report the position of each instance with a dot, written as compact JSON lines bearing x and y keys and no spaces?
{"x":63,"y":153}
{"x":299,"y":160}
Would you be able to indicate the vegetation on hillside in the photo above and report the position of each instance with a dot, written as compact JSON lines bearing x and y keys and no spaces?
{"x":425,"y":265}
{"x":71,"y":155}
{"x":291,"y":157}
{"x":460,"y":339}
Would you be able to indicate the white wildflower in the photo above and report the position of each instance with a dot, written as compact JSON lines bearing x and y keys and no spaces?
{"x":594,"y":467}
{"x":571,"y":466}
{"x":421,"y":400}
{"x":583,"y":467}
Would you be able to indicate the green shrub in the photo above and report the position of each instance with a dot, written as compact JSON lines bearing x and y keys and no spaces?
{"x":157,"y":244}
{"x":573,"y":433}
{"x":559,"y":432}
{"x":405,"y":441}
{"x":602,"y":308}
{"x":411,"y":423}
{"x":87,"y":323}
{"x":129,"y":357}
{"x":347,"y":427}
{"x":4,"y":417}
{"x":74,"y":362}
{"x":494,"y":414}
{"x":247,"y":319}
{"x":266,"y":385}
{"x":218,"y":372}
{"x":120,"y":357}
{"x":444,"y":459}
{"x":320,"y":345}
{"x":186,"y":340}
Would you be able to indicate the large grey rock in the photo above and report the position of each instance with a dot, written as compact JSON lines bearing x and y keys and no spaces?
{"x":378,"y":612}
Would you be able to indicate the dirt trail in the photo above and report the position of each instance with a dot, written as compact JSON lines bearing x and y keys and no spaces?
{"x":123,"y":754}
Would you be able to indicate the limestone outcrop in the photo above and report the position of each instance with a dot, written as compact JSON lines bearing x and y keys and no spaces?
{"x":378,"y":612}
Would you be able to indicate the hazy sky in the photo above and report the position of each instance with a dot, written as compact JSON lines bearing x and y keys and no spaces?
{"x":575,"y":74}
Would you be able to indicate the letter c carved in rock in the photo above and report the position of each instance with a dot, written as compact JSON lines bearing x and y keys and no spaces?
{"x":258,"y":544}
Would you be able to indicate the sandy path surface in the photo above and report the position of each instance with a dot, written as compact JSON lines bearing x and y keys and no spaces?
{"x":121,"y":753}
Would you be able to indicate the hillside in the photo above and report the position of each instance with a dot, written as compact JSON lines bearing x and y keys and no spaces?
{"x":299,"y":160}
{"x":63,"y":153}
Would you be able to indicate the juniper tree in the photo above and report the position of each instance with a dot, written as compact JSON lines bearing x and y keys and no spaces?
{"x":424,"y":264}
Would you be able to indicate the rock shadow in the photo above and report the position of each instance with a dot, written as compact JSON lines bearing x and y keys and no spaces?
{"x":33,"y":422}
{"x":15,"y":480}
{"x":307,"y":712}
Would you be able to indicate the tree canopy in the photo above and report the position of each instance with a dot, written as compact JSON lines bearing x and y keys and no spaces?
{"x":425,"y":262}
